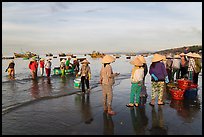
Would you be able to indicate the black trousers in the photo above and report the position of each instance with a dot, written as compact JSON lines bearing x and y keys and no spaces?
{"x":83,"y":82}
{"x":195,"y":78}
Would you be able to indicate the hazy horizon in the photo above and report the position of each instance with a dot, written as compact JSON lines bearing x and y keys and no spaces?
{"x":83,"y":27}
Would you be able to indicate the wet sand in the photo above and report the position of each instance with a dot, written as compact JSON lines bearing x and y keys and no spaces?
{"x":75,"y":114}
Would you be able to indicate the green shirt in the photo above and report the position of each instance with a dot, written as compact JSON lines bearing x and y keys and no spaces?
{"x":67,"y":62}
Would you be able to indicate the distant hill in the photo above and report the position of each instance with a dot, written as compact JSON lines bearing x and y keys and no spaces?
{"x":195,"y":48}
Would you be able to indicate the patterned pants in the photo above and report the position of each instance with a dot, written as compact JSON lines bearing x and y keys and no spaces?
{"x":107,"y":96}
{"x":157,"y":87}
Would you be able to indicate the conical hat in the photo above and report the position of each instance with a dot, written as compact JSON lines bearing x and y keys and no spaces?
{"x":157,"y":57}
{"x":190,"y":54}
{"x":169,"y":57}
{"x":195,"y":55}
{"x":42,"y":59}
{"x":136,"y":61}
{"x":142,"y":59}
{"x":85,"y":61}
{"x":177,"y":56}
{"x":164,"y":57}
{"x":63,"y":60}
{"x":31,"y":59}
{"x":182,"y":54}
{"x":11,"y":61}
{"x":108,"y":59}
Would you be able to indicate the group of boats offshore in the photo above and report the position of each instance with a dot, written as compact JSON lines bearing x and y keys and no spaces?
{"x":95,"y":54}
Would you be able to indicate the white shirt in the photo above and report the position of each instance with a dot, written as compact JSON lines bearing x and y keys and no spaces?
{"x":138,"y":75}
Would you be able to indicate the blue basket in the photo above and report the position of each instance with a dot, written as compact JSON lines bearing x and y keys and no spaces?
{"x":191,"y":93}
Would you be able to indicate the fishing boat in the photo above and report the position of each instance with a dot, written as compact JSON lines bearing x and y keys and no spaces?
{"x":57,"y":71}
{"x":28,"y":54}
{"x":96,"y":54}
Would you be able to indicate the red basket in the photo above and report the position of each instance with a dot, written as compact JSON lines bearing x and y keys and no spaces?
{"x":193,"y":85}
{"x":184,"y":84}
{"x":177,"y":94}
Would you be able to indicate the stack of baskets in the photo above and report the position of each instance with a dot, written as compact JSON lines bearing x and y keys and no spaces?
{"x":185,"y":89}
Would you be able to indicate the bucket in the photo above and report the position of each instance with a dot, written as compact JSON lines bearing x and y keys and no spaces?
{"x":191,"y":93}
{"x":77,"y":83}
{"x":177,"y":94}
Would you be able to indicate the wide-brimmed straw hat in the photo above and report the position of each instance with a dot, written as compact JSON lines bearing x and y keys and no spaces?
{"x":182,"y":54}
{"x":169,"y":57}
{"x":11,"y":61}
{"x":177,"y":56}
{"x":63,"y":60}
{"x":157,"y":57}
{"x":32,"y":59}
{"x":142,"y":59}
{"x":108,"y":59}
{"x":190,"y":54}
{"x":85,"y":61}
{"x":164,"y":57}
{"x":136,"y":61}
{"x":195,"y":55}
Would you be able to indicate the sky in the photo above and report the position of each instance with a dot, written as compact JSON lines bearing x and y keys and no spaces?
{"x":83,"y":27}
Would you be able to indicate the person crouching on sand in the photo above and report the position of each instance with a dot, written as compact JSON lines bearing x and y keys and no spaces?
{"x":107,"y":79}
{"x":137,"y":76}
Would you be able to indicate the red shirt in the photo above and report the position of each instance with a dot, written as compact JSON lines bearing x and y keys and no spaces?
{"x":42,"y":64}
{"x":33,"y":65}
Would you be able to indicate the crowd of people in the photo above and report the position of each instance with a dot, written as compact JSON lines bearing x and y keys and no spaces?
{"x":162,"y":71}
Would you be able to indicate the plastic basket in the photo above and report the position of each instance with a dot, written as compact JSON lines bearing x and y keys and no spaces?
{"x":191,"y":93}
{"x":183,"y":84}
{"x":177,"y":94}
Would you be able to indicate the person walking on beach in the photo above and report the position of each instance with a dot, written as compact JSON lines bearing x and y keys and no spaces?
{"x":75,"y":66}
{"x":48,"y":65}
{"x":62,"y":67}
{"x":176,"y":67}
{"x":137,"y":76}
{"x":184,"y":65}
{"x":198,"y":67}
{"x":158,"y":77}
{"x":42,"y":65}
{"x":191,"y":66}
{"x":10,"y":69}
{"x":107,"y":79}
{"x":33,"y":67}
{"x":85,"y":73}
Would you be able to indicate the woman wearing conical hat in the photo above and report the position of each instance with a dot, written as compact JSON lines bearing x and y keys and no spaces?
{"x":33,"y":67}
{"x":107,"y":80}
{"x":85,"y":73}
{"x":137,"y":76}
{"x":158,"y":77}
{"x":198,"y":67}
{"x":191,"y":66}
{"x":176,"y":67}
{"x":184,"y":65}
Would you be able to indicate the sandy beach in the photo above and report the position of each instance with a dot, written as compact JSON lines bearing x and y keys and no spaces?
{"x":54,"y":107}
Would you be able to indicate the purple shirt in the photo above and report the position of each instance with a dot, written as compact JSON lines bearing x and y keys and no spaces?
{"x":158,"y":70}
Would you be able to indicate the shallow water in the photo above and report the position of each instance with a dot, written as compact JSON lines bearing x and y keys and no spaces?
{"x":51,"y":106}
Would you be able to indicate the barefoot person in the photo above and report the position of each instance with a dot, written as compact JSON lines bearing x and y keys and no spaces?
{"x":107,"y":80}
